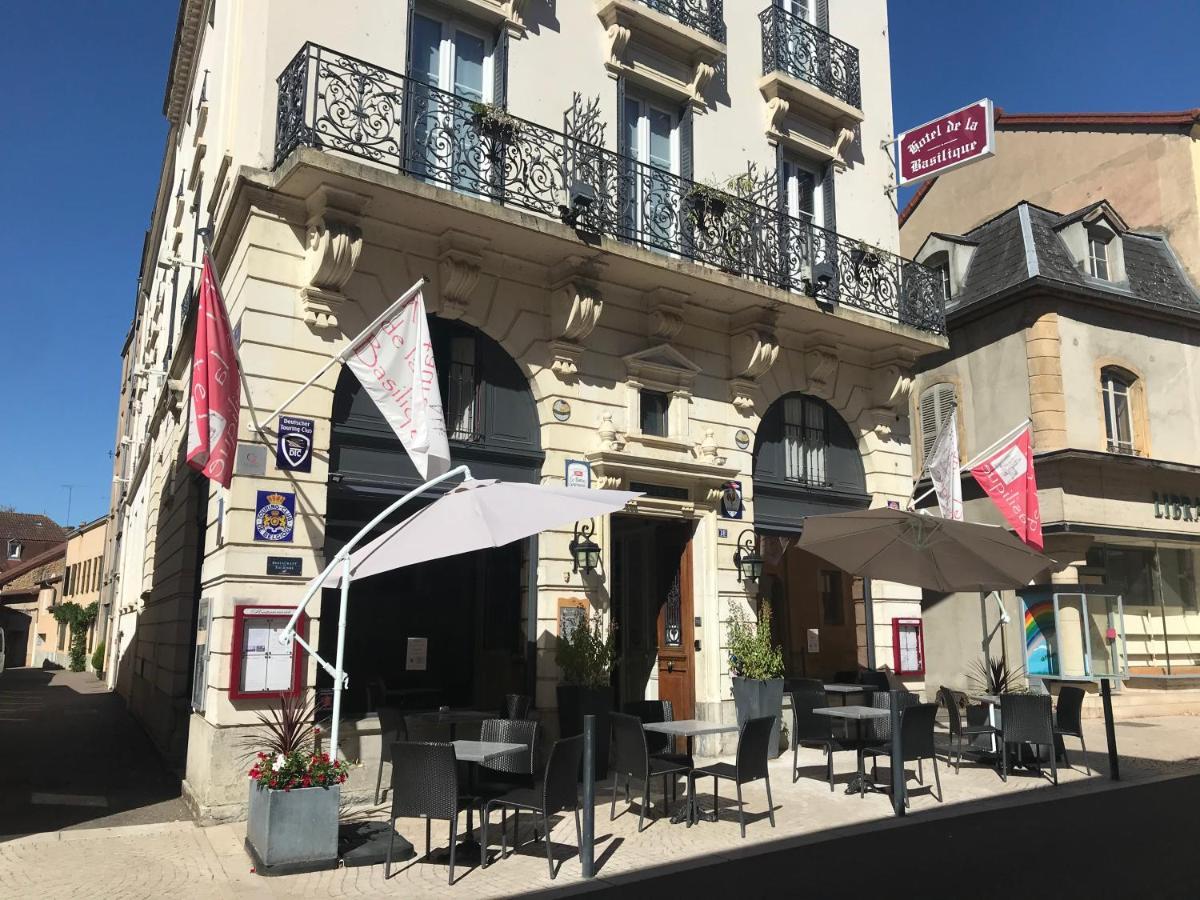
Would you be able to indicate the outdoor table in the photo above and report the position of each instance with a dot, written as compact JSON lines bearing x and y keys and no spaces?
{"x":856,"y":714}
{"x":475,"y":753}
{"x":689,"y":729}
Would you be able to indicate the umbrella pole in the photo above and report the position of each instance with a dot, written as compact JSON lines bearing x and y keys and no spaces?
{"x":339,"y":661}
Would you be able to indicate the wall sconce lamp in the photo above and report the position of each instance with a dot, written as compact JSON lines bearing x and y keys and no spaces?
{"x":748,"y":560}
{"x":585,"y":553}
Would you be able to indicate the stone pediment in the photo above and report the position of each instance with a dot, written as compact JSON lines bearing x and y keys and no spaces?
{"x":664,"y":364}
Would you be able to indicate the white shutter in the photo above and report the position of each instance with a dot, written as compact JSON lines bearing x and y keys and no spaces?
{"x":935,"y":408}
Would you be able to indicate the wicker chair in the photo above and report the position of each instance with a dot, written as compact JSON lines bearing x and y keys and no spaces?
{"x":1026,"y":719}
{"x":960,"y":734}
{"x":877,"y":680}
{"x":660,"y":746}
{"x":877,"y":733}
{"x":517,"y":706}
{"x":558,"y":792}
{"x":812,"y":730}
{"x":425,"y":785}
{"x":631,"y":759}
{"x":846,"y":676}
{"x":391,"y":730}
{"x":750,"y":766}
{"x":916,"y":743}
{"x":1068,"y":720}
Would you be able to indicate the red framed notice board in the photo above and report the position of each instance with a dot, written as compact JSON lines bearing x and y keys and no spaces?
{"x":262,"y":667}
{"x":908,"y":647}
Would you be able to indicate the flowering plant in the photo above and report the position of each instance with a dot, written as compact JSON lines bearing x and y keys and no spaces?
{"x":298,"y":769}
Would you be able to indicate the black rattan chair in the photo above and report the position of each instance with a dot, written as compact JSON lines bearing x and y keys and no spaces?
{"x":750,"y":766}
{"x":510,"y":769}
{"x":631,"y":760}
{"x":846,"y":676}
{"x":425,"y":785}
{"x":877,"y":733}
{"x":792,"y":685}
{"x":812,"y":730}
{"x":1068,"y":720}
{"x":517,"y":706}
{"x":877,"y":680}
{"x":391,"y":730}
{"x":661,"y":746}
{"x":1026,"y":719}
{"x":960,"y":734}
{"x":916,"y":743}
{"x":558,"y":792}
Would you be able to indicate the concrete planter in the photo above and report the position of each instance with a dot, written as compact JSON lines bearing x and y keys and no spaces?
{"x":293,"y":830}
{"x":754,"y":698}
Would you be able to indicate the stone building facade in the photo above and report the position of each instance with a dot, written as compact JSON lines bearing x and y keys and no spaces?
{"x":609,"y":283}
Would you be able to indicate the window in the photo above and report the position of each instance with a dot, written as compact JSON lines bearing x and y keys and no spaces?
{"x":62,"y":636}
{"x":651,"y":136}
{"x":462,"y":409}
{"x":935,"y":409}
{"x":15,"y":549}
{"x":654,"y":412}
{"x":908,"y":647}
{"x":833,"y":605}
{"x":805,"y":200}
{"x":1098,"y":257}
{"x":805,"y":440}
{"x":799,"y":8}
{"x":1115,"y":387}
{"x":944,"y":273}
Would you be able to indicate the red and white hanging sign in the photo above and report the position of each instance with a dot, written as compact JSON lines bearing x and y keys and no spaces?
{"x":1007,"y":477}
{"x":955,"y":139}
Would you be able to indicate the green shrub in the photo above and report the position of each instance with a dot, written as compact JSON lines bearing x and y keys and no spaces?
{"x":98,"y":657}
{"x":751,"y":652}
{"x":78,"y":619}
{"x":586,"y":654}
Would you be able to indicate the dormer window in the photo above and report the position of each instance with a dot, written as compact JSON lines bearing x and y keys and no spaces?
{"x":1098,"y":256}
{"x":944,"y":273}
{"x":15,"y":549}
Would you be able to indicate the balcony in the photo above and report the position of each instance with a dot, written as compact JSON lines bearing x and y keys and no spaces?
{"x":336,"y":103}
{"x":808,"y":69}
{"x":706,"y":16}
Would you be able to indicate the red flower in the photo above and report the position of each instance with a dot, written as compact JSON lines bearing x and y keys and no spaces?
{"x":274,"y":781}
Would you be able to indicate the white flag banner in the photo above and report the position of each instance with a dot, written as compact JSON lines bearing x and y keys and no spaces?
{"x":394,"y":362}
{"x":943,"y":468}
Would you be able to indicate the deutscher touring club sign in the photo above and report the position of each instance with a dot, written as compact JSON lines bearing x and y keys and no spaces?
{"x":955,"y":139}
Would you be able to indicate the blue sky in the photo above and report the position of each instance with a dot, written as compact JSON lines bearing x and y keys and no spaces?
{"x":82,"y":140}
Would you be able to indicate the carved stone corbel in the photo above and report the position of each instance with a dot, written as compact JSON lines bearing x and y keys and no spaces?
{"x":702,"y":74}
{"x":332,"y":245}
{"x":666,"y":310}
{"x":777,"y":110}
{"x":845,"y":137}
{"x":575,"y":308}
{"x":821,"y":365}
{"x":459,"y":260}
{"x":754,"y":348}
{"x":889,"y":392}
{"x":514,"y":14}
{"x":617,"y":36}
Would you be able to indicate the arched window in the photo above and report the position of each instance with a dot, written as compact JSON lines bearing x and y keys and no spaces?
{"x":1116,"y":387}
{"x":936,"y":407}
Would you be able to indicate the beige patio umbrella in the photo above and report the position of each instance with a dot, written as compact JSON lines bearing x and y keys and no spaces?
{"x":928,"y":552}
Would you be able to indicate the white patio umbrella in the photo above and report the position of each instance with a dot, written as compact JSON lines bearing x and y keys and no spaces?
{"x":909,"y":548}
{"x":474,"y":515}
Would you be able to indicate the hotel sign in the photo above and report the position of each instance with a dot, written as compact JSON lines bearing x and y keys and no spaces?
{"x":955,"y":139}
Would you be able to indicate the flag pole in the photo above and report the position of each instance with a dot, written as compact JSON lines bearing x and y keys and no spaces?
{"x":966,"y":467}
{"x":346,"y":350}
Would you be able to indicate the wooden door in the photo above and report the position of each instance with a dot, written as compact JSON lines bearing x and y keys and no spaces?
{"x":676,"y":648}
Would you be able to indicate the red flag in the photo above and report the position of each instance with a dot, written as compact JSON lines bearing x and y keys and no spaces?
{"x":216,"y":398}
{"x":1007,"y":476}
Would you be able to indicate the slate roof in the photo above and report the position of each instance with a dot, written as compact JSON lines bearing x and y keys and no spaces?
{"x":1009,"y":253}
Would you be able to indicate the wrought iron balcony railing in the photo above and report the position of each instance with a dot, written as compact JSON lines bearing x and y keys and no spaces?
{"x":706,"y":16}
{"x":797,"y":48}
{"x":338,"y":103}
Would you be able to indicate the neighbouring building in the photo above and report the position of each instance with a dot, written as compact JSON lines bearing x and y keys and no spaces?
{"x":1146,"y":164}
{"x":82,"y":576}
{"x":661,"y":254}
{"x":1091,"y":330}
{"x":28,"y":593}
{"x":26,"y":535}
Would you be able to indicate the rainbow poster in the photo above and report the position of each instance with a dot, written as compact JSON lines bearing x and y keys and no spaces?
{"x":1039,"y":637}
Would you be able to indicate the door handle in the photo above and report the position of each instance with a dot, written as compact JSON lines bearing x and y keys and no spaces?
{"x":670,"y":665}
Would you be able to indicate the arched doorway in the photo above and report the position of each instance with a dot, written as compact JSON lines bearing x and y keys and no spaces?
{"x":807,"y":462}
{"x":472,"y":612}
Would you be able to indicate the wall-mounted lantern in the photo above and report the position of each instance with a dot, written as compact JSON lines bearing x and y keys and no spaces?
{"x":585,"y":552}
{"x":748,"y":560}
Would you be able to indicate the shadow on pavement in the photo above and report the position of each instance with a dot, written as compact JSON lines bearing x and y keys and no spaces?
{"x":73,"y":756}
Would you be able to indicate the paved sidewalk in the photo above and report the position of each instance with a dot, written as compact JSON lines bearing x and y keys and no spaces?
{"x":73,"y":757}
{"x":180,"y":860}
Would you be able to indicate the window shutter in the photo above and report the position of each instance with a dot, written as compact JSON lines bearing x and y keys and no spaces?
{"x":686,"y":157}
{"x":622,"y":144}
{"x":823,"y":14}
{"x":500,"y":68}
{"x":412,"y":12}
{"x":935,"y":408}
{"x":827,"y":199}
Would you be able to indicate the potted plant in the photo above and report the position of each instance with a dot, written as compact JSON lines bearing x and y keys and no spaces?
{"x":295,"y":792}
{"x":707,"y":203}
{"x":756,"y":666}
{"x":495,"y":121}
{"x":865,"y":256}
{"x":585,"y":656}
